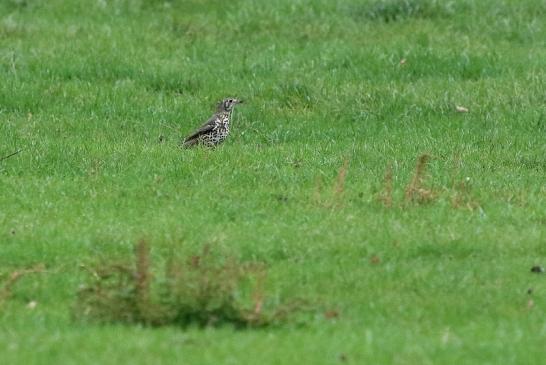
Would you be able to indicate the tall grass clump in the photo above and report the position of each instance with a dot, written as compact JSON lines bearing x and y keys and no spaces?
{"x":201,"y":290}
{"x":7,"y":282}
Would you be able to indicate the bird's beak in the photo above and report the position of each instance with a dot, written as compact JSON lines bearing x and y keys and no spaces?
{"x":240,"y":102}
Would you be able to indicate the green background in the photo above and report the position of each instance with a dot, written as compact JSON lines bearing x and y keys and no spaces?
{"x":88,"y":87}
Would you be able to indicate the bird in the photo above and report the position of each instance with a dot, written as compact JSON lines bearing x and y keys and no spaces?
{"x":216,"y":129}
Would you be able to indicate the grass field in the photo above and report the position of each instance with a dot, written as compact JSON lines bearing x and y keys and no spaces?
{"x":87,"y":88}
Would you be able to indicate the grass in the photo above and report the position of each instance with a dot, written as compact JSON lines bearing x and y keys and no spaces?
{"x":201,"y":290}
{"x":343,"y":97}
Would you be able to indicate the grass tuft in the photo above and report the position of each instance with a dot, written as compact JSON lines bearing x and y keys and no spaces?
{"x":415,"y":191}
{"x":386,"y":196}
{"x":294,"y":95}
{"x":458,"y":194}
{"x":461,"y":196}
{"x":202,"y":290}
{"x":7,"y":284}
{"x":339,"y":186}
{"x":395,"y":10}
{"x":143,"y":277}
{"x":333,"y":198}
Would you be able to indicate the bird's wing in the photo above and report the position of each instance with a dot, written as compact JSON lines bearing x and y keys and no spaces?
{"x":206,"y":127}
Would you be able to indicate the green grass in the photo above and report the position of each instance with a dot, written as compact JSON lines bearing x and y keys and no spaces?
{"x":88,"y":87}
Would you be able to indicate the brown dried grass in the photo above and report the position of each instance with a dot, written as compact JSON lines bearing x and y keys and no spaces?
{"x":204,"y":290}
{"x":6,"y":289}
{"x":386,"y":195}
{"x":339,"y":186}
{"x":415,"y":191}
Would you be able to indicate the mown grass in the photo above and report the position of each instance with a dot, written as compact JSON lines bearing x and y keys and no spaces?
{"x":88,"y":87}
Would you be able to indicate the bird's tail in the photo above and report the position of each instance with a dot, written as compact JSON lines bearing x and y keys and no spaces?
{"x":189,"y":142}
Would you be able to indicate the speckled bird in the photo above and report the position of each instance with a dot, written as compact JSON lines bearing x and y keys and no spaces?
{"x":216,"y":129}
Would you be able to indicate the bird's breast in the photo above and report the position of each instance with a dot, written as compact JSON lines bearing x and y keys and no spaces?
{"x":222,"y":124}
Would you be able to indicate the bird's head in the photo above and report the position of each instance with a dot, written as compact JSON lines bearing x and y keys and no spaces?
{"x":227,"y":105}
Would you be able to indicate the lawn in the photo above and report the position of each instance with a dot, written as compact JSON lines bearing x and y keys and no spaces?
{"x":317,"y":182}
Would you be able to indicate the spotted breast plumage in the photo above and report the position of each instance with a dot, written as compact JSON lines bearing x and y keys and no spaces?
{"x":216,"y":129}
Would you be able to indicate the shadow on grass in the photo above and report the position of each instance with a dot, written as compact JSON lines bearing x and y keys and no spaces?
{"x":395,"y":10}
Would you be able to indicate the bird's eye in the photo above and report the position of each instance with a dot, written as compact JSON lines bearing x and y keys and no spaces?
{"x":231,"y":100}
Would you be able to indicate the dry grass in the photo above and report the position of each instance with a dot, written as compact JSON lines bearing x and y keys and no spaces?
{"x":386,"y":195}
{"x":460,"y":192}
{"x":333,"y":199}
{"x":7,"y":285}
{"x":143,"y":277}
{"x":203,"y":290}
{"x":415,"y":191}
{"x":339,"y":186}
{"x":461,"y":196}
{"x":317,"y":193}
